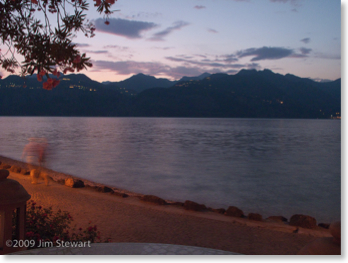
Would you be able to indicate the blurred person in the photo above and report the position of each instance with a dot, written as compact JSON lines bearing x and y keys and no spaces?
{"x":35,"y":153}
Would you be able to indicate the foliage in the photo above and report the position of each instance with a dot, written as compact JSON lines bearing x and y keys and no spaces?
{"x":41,"y":32}
{"x":45,"y":225}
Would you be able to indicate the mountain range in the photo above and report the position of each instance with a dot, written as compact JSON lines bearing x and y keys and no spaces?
{"x":247,"y":94}
{"x":141,"y":82}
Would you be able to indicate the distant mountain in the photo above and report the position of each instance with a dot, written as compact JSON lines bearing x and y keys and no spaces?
{"x":200,"y":77}
{"x":140,"y":82}
{"x":71,"y":81}
{"x":76,"y":95}
{"x":248,"y":94}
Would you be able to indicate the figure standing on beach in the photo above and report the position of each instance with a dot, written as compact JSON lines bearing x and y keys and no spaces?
{"x":35,"y":153}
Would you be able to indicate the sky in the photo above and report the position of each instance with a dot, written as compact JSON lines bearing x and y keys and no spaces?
{"x":171,"y":39}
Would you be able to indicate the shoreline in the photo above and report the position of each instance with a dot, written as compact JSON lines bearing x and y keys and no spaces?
{"x":60,"y":178}
{"x":132,"y":219}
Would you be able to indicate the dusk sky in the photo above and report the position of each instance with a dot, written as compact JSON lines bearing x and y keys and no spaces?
{"x":171,"y":39}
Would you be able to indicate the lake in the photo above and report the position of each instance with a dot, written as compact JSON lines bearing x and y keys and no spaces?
{"x":266,"y":166}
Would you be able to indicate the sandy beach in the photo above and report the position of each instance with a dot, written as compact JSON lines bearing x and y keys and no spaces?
{"x":133,"y":220}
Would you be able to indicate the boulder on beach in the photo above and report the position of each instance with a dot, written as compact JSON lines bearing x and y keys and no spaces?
{"x":24,"y":171}
{"x":176,"y":203}
{"x":303,"y":221}
{"x":123,"y":195}
{"x":277,"y":219}
{"x":255,"y":216}
{"x":15,"y":169}
{"x":218,"y":210}
{"x":234,"y":211}
{"x":324,"y":225}
{"x":60,"y":181}
{"x":190,"y":205}
{"x":74,"y":183}
{"x":153,"y":199}
{"x":104,"y":189}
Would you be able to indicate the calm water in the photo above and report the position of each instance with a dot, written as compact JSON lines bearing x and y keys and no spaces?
{"x":268,"y":166}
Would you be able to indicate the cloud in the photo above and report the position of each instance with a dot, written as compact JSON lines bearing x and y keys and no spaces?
{"x":122,"y":27}
{"x":148,"y":68}
{"x":199,"y":7}
{"x":81,"y":44}
{"x":163,"y":48}
{"x":201,"y":63}
{"x":176,"y":26}
{"x":145,"y":15}
{"x":222,"y":63}
{"x":273,"y":53}
{"x":306,"y":40}
{"x":185,"y":68}
{"x":305,"y":51}
{"x":229,"y":58}
{"x":120,"y":48}
{"x":212,"y":30}
{"x":130,"y":67}
{"x":292,"y":2}
{"x":327,"y":56}
{"x":265,"y":53}
{"x":96,"y":51}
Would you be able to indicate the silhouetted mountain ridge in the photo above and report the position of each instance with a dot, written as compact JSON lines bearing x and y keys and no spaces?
{"x":249,"y":93}
{"x":138,"y":83}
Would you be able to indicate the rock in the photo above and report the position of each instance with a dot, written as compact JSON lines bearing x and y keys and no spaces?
{"x":97,"y":188}
{"x":303,"y":221}
{"x":15,"y":169}
{"x":74,"y":183}
{"x":177,"y":203}
{"x":104,"y":189}
{"x":123,"y":195}
{"x":324,"y":225}
{"x":190,"y":205}
{"x":255,"y":216}
{"x":335,"y":230}
{"x":277,"y":219}
{"x":234,"y":211}
{"x":218,"y":210}
{"x":24,"y":172}
{"x":60,"y":181}
{"x":153,"y":199}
